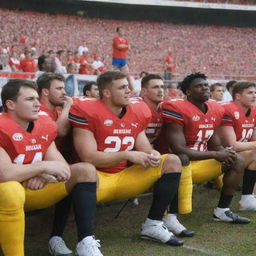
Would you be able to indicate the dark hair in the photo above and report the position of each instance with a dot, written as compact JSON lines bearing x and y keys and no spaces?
{"x":147,"y":78}
{"x":239,"y":87}
{"x":11,"y":89}
{"x":44,"y":81}
{"x":184,"y":85}
{"x":230,"y":84}
{"x":213,"y":86}
{"x":105,"y":80}
{"x":88,"y":87}
{"x":40,"y":61}
{"x":118,"y":29}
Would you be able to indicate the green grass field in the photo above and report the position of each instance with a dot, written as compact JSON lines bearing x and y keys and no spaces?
{"x":120,"y":236}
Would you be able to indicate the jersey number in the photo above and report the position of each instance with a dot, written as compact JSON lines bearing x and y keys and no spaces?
{"x":128,"y":140}
{"x":21,"y":157}
{"x":202,"y":137}
{"x":246,"y":135}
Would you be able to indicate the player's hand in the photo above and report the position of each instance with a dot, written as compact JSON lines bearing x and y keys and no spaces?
{"x":154,"y":158}
{"x":49,"y":178}
{"x":138,"y":157}
{"x":59,"y":170}
{"x":68,"y":102}
{"x":35,"y":183}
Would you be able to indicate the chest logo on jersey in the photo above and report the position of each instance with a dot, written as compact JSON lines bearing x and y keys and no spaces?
{"x":134,"y":125}
{"x":17,"y":136}
{"x":45,"y":137}
{"x":108,"y":122}
{"x":196,"y":118}
{"x":236,"y":115}
{"x":33,"y":141}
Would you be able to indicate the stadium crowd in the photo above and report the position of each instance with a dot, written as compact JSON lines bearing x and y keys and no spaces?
{"x":211,"y":49}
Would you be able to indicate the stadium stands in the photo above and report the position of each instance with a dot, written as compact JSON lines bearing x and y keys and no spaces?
{"x":209,"y":49}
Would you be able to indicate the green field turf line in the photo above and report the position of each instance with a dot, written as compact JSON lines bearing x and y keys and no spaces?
{"x":206,"y":252}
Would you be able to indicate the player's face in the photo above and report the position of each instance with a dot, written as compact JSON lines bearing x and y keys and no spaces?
{"x":248,"y":97}
{"x":217,"y":94}
{"x":26,"y":107}
{"x":120,"y":93}
{"x":198,"y":90}
{"x":154,"y":91}
{"x":94,"y":92}
{"x":57,"y":94}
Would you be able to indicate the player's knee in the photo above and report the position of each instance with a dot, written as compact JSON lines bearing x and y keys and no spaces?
{"x":12,"y":196}
{"x":172,"y":164}
{"x":239,"y":164}
{"x":83,"y":172}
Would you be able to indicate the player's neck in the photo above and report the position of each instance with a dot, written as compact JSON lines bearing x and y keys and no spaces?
{"x":117,"y":110}
{"x":244,"y":108}
{"x":48,"y":104}
{"x":21,"y":122}
{"x":152,"y":104}
{"x":201,"y":105}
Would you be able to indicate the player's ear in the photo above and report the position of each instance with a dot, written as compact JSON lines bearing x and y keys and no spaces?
{"x":106,"y":93}
{"x":45,"y":92}
{"x":10,"y":104}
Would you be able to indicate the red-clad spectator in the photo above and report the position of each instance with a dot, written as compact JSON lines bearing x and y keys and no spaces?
{"x":169,"y":65}
{"x":28,"y":64}
{"x":98,"y":66}
{"x":14,"y":61}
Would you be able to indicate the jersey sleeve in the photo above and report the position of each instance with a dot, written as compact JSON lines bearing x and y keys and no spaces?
{"x":79,"y":117}
{"x":227,"y":116}
{"x":171,"y":113}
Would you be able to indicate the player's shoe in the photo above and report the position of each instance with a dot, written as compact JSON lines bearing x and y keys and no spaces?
{"x":156,"y":230}
{"x":172,"y":223}
{"x":226,"y":215}
{"x":89,"y":246}
{"x":247,"y":203}
{"x":57,"y":247}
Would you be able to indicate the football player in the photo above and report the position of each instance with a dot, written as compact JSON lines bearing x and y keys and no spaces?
{"x":152,"y":89}
{"x":190,"y":130}
{"x":108,"y":132}
{"x":238,"y":131}
{"x":29,"y":163}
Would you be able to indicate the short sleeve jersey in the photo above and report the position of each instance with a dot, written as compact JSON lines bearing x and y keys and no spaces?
{"x":197,"y":126}
{"x":120,"y":53}
{"x":112,"y":134}
{"x":26,"y":147}
{"x":243,"y":123}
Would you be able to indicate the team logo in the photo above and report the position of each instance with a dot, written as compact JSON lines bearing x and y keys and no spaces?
{"x":17,"y":136}
{"x":213,"y":119}
{"x":108,"y":122}
{"x":122,"y":125}
{"x":236,"y":114}
{"x":134,"y":125}
{"x":45,"y":137}
{"x":33,"y":141}
{"x":195,"y":118}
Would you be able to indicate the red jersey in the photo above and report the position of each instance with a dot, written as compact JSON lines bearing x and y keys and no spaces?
{"x":169,"y":61}
{"x":28,"y":65}
{"x":197,"y":126}
{"x":54,"y":115}
{"x":120,"y":53}
{"x":242,"y":123}
{"x":112,"y":134}
{"x":26,"y":147}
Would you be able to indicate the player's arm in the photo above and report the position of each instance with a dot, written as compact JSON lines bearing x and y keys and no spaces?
{"x":86,"y":147}
{"x":62,"y":121}
{"x":177,"y":142}
{"x":228,"y":138}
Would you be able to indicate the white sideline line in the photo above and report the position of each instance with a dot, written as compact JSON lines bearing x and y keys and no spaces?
{"x":206,"y":252}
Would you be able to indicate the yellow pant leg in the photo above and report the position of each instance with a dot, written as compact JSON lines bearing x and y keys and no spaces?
{"x":12,"y":223}
{"x":45,"y":197}
{"x":195,"y":173}
{"x":185,"y":191}
{"x":128,"y":183}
